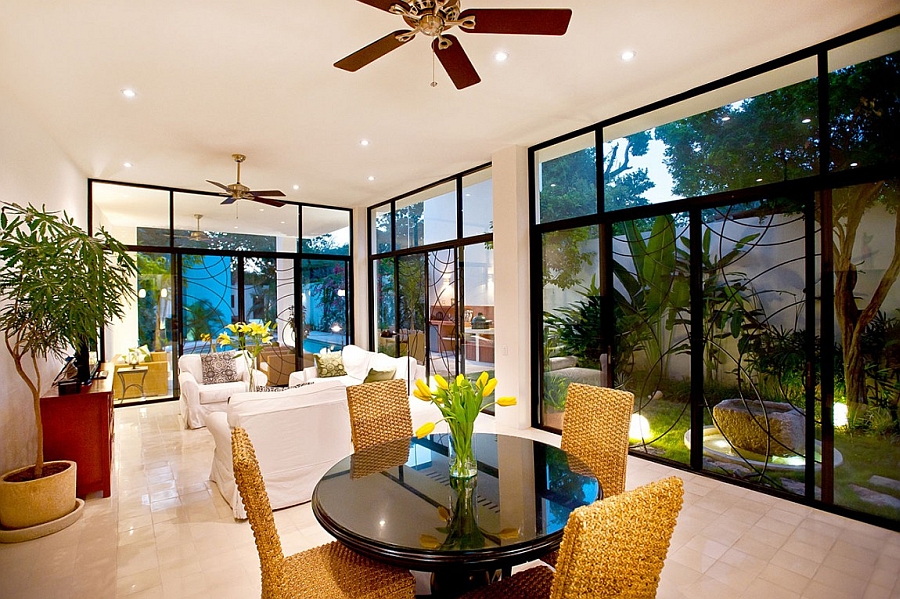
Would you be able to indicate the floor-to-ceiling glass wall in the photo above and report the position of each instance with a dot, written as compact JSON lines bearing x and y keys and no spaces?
{"x":204,"y":265}
{"x":432,"y":275}
{"x":736,"y":271}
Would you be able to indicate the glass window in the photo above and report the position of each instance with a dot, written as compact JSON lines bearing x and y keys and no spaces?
{"x":209,"y":299}
{"x":381,"y":228}
{"x":864,"y":89}
{"x":326,"y":231}
{"x":427,"y":217}
{"x":478,"y":203}
{"x":202,"y":221}
{"x":567,"y":179}
{"x":123,"y":209}
{"x":761,"y":130}
{"x":478,"y":312}
{"x":384,"y":306}
{"x":867,"y":328}
{"x":754,"y":343}
{"x":325,"y":309}
{"x":651,"y":311}
{"x":573,"y":345}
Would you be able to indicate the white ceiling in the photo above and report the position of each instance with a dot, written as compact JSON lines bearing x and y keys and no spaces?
{"x":216,"y":78}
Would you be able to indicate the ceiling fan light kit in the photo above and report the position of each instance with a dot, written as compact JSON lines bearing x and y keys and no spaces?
{"x":435,"y":17}
{"x":238,"y":191}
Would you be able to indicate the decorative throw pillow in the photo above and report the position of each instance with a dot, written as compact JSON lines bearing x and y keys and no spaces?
{"x":329,"y":365}
{"x":379,"y":375}
{"x":266,"y":389}
{"x":219,"y":368}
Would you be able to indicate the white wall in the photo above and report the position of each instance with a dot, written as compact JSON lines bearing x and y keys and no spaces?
{"x":33,"y":169}
{"x":512,"y":356}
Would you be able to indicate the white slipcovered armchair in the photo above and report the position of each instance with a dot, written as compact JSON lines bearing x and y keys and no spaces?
{"x":199,"y":399}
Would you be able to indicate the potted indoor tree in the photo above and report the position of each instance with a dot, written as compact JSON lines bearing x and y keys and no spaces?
{"x":58,"y":287}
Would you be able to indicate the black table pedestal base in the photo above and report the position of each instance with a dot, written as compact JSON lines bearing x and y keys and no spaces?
{"x":450,"y":584}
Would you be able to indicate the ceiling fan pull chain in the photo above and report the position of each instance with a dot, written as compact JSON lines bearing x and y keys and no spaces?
{"x":433,"y":82}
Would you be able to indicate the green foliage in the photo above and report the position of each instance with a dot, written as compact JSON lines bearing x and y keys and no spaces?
{"x":202,"y":318}
{"x":59,"y":286}
{"x":764,"y":139}
{"x":728,"y":297}
{"x":577,"y":329}
{"x":569,"y":190}
{"x":653,"y":295}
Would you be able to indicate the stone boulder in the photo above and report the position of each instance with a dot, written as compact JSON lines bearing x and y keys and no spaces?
{"x":763,"y":427}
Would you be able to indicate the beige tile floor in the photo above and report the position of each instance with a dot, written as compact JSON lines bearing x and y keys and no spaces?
{"x":166,"y":532}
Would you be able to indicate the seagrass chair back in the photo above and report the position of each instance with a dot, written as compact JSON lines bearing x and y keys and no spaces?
{"x":595,"y":430}
{"x":617,"y":547}
{"x":614,"y":548}
{"x":379,"y":412}
{"x":328,"y":571}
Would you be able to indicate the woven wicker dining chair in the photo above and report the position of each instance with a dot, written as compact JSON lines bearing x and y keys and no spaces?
{"x":328,"y":571}
{"x":595,"y":430}
{"x":615,"y":547}
{"x":379,"y":412}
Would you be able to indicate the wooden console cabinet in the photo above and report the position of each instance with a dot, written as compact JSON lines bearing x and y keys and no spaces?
{"x":79,"y":427}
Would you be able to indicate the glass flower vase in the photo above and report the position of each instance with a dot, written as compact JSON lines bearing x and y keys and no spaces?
{"x":462,"y":451}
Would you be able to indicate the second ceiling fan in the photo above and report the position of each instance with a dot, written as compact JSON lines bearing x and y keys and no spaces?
{"x":435,"y":17}
{"x":238,"y":191}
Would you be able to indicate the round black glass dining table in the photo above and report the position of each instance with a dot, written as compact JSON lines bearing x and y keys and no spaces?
{"x":396,"y":502}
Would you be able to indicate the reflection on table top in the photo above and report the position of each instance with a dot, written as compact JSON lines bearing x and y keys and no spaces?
{"x":396,"y":502}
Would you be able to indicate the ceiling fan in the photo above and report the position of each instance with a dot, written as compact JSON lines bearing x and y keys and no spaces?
{"x":237,"y":191}
{"x":198,"y":235}
{"x":435,"y":17}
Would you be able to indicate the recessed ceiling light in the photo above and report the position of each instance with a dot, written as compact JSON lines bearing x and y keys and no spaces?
{"x":235,"y":226}
{"x":128,"y":92}
{"x":854,"y":164}
{"x":759,"y":180}
{"x":725,"y":119}
{"x":628,"y":55}
{"x":805,"y":121}
{"x":262,"y":209}
{"x":296,"y":187}
{"x":501,"y":56}
{"x":371,"y":177}
{"x":282,"y":222}
{"x":364,"y":142}
{"x":127,"y":164}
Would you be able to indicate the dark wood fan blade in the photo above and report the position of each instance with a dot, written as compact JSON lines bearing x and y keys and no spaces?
{"x":268,"y":192}
{"x":230,"y":200}
{"x":373,"y":51}
{"x":456,"y":63}
{"x":527,"y":21}
{"x":385,"y":5}
{"x":266,"y":201}
{"x":217,"y":184}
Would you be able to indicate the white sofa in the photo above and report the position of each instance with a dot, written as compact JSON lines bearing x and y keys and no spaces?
{"x":298,"y":434}
{"x":199,"y":400}
{"x":358,"y":361}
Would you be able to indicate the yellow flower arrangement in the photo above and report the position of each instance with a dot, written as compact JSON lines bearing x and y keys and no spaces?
{"x":460,"y":401}
{"x":250,"y":337}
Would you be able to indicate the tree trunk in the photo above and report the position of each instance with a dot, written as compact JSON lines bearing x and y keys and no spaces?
{"x":852,"y":321}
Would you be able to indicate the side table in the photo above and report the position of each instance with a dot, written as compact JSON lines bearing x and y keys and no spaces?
{"x":134,"y":370}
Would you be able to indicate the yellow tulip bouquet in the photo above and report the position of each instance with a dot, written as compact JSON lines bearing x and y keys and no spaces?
{"x":460,"y":401}
{"x":250,"y":338}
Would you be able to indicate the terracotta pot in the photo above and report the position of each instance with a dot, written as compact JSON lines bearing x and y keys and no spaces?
{"x":33,"y":502}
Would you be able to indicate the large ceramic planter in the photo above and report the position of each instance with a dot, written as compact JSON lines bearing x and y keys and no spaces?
{"x":34,"y":502}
